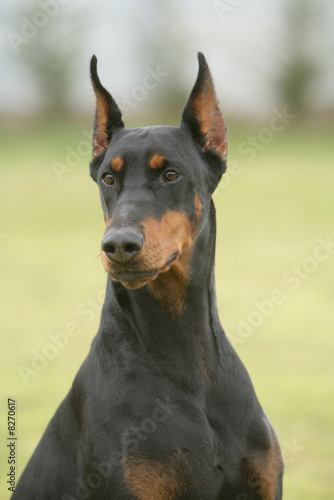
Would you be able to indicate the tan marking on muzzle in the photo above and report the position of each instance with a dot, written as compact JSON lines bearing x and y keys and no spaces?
{"x":173,"y":235}
{"x":167,"y":250}
{"x":198,"y":207}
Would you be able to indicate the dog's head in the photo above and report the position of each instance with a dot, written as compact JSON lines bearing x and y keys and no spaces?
{"x":156,"y":182}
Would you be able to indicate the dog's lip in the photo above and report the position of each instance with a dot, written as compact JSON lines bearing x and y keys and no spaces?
{"x":133,"y":275}
{"x":128,"y":275}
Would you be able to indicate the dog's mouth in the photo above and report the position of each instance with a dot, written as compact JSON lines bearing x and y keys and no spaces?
{"x":134,"y":278}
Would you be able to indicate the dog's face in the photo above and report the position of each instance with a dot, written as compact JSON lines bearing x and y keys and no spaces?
{"x":156,"y":183}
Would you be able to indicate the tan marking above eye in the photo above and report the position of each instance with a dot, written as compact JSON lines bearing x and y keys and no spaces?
{"x":117,"y":163}
{"x":157,"y":161}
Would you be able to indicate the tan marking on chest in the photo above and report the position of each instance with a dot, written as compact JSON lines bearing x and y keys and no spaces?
{"x":157,"y":480}
{"x":264,"y":471}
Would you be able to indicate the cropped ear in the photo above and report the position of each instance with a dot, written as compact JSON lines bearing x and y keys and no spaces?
{"x":202,"y":115}
{"x":108,"y":116}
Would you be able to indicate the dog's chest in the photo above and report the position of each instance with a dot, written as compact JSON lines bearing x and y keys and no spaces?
{"x":164,"y":444}
{"x":168,"y":452}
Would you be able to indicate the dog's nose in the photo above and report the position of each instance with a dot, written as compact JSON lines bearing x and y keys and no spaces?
{"x":122,"y":244}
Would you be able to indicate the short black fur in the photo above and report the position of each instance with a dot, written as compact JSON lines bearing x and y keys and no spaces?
{"x":162,"y":408}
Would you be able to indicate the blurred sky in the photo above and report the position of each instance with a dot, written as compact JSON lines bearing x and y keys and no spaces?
{"x":242,"y":40}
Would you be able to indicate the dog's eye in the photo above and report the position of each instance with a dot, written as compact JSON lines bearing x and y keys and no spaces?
{"x":170,"y":176}
{"x":108,"y":179}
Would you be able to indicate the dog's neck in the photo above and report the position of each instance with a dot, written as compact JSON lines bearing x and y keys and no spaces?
{"x":188,"y":337}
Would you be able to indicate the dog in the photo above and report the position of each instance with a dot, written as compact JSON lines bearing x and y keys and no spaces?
{"x":162,"y":408}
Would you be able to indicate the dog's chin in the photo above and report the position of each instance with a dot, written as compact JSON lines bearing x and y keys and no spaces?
{"x":135,"y":279}
{"x":134,"y":284}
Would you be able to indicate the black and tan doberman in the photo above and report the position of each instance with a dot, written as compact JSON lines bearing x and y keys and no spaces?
{"x":162,"y":408}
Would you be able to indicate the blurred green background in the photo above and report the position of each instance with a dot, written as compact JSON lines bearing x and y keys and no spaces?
{"x":274,"y":70}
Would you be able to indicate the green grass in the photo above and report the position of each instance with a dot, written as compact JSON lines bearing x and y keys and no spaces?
{"x":270,"y":216}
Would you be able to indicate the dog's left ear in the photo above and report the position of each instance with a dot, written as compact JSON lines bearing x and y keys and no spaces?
{"x":202,"y":115}
{"x":108,"y":116}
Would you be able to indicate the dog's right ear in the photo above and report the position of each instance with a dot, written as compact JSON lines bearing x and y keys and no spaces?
{"x":108,"y":116}
{"x":202,"y":116}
